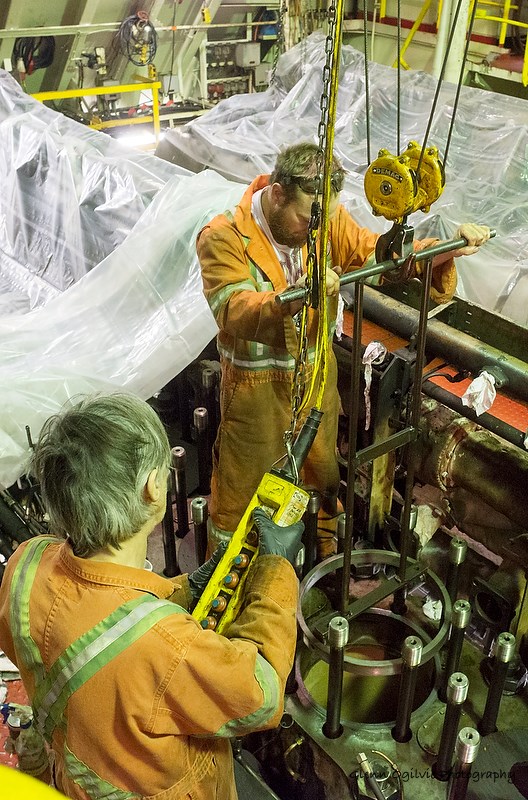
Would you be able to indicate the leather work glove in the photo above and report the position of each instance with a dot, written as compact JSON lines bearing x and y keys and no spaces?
{"x":199,"y":579}
{"x":277,"y":541}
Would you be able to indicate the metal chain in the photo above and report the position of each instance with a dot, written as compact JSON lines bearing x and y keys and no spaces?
{"x":304,"y":34}
{"x":312,"y":285}
{"x":279,"y":43}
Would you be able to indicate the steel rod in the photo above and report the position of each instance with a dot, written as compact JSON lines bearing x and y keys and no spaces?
{"x":378,"y":269}
{"x":411,"y":658}
{"x":179,"y":482}
{"x":457,"y":556}
{"x":504,"y":653}
{"x":310,"y":518}
{"x":399,"y":604}
{"x":352,"y":446}
{"x":466,"y":751}
{"x":338,"y":640}
{"x":199,"y":515}
{"x":460,"y":618}
{"x":169,"y":541}
{"x":201,"y":424}
{"x":457,"y":690}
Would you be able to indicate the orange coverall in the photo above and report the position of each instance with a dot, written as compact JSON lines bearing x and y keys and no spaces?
{"x":257,"y":342}
{"x":155,"y":720}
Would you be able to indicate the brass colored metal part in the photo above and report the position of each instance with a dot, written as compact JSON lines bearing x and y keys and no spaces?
{"x":294,"y":774}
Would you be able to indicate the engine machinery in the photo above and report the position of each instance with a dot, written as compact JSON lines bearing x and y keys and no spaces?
{"x":410,"y":673}
{"x":411,"y":680}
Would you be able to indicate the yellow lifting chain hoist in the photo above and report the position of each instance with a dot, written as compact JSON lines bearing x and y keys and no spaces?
{"x":397,"y":186}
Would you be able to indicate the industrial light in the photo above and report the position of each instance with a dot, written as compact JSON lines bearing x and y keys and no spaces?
{"x":135,"y":138}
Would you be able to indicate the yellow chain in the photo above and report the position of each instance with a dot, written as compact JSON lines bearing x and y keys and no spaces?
{"x":316,"y":272}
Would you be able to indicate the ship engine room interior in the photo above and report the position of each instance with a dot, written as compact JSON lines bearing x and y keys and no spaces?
{"x":126,"y":127}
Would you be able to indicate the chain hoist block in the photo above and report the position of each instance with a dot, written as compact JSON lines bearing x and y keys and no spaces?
{"x":430,"y":174}
{"x":390,"y":186}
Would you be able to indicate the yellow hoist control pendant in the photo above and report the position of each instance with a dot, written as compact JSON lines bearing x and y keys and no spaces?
{"x":395,"y":189}
{"x":220,"y":602}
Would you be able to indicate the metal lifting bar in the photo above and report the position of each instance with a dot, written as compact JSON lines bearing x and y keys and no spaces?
{"x":379,"y":269}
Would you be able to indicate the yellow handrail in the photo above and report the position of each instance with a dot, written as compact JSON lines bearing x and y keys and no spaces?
{"x":504,"y":21}
{"x":151,"y":86}
{"x":410,"y":35}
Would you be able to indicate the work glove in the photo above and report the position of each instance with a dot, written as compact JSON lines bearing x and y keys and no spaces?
{"x":199,"y":579}
{"x":277,"y":541}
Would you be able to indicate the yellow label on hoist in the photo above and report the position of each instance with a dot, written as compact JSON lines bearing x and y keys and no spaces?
{"x":285,"y":503}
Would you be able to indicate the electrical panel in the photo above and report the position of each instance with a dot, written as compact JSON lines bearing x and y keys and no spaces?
{"x":247,"y":54}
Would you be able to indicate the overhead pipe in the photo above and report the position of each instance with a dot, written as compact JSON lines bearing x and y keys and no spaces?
{"x":486,"y":421}
{"x":105,"y":27}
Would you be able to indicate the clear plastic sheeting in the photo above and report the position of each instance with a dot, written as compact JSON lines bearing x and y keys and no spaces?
{"x":70,"y":195}
{"x":132,"y":323}
{"x":99,"y":242}
{"x":486,"y":171}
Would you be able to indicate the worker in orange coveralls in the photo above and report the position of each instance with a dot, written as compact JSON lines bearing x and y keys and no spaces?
{"x":133,"y":696}
{"x":248,"y":257}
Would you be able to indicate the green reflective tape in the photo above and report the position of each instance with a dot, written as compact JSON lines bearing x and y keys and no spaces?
{"x":268,"y":681}
{"x":217,"y":299}
{"x":23,"y":577}
{"x":93,"y":785}
{"x":92,"y":651}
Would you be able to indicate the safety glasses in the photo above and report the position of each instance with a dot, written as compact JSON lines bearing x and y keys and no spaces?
{"x":309,"y":185}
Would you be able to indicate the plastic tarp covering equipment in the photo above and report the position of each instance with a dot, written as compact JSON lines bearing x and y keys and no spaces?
{"x":487,"y":168}
{"x":100,"y":283}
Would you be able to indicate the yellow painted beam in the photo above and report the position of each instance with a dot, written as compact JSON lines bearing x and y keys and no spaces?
{"x":119,"y":89}
{"x":504,"y":26}
{"x":525,"y":65}
{"x":94,"y":90}
{"x":410,"y":35}
{"x":491,"y":18}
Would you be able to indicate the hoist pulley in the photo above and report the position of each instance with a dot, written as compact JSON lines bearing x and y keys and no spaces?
{"x":397,"y":186}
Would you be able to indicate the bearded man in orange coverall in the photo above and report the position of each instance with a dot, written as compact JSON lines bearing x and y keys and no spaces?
{"x":247,"y":257}
{"x":134,"y":697}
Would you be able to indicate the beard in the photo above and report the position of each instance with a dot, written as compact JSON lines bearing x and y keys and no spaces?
{"x":282,"y":234}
